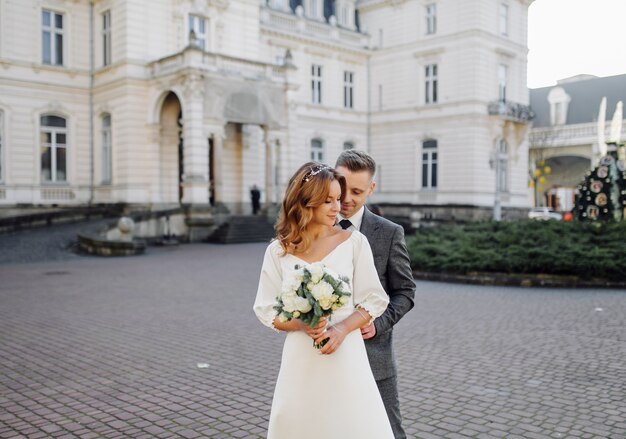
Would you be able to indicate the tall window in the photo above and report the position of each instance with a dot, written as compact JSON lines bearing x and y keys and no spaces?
{"x":52,"y":38}
{"x":559,"y":103}
{"x":429,"y":164}
{"x":431,"y":84}
{"x":431,"y":18}
{"x":107,"y":151}
{"x":502,"y":166}
{"x":197,"y":24}
{"x":316,"y":84}
{"x":317,"y":150}
{"x":106,"y":38}
{"x":504,"y":19}
{"x":558,"y":113}
{"x":348,"y":89}
{"x":348,"y":145}
{"x":502,"y":80}
{"x":343,"y":15}
{"x":53,"y":149}
{"x":314,"y":8}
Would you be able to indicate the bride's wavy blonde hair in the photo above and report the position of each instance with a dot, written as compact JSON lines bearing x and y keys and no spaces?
{"x":307,"y":189}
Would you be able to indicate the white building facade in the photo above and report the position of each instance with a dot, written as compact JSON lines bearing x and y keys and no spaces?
{"x":193,"y":101}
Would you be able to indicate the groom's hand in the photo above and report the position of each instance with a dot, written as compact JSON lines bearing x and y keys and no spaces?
{"x":368,"y":331}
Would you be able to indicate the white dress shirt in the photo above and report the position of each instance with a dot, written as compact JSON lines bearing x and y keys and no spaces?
{"x":355,"y":219}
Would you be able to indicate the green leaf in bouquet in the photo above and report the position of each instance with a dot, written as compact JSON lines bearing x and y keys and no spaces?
{"x":314,"y":320}
{"x":331,"y":280}
{"x":301,"y":291}
{"x":317,"y":310}
{"x":279,"y":306}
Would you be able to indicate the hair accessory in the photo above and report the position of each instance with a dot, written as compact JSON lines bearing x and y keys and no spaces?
{"x":314,"y":170}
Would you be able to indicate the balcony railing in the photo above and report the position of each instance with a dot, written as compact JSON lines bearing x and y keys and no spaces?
{"x":287,"y":21}
{"x":568,"y":135}
{"x":512,"y":111}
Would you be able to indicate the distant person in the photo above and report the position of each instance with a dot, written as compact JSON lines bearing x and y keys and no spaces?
{"x":255,"y":197}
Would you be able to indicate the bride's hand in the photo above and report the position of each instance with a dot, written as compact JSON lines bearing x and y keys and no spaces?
{"x":335,"y":335}
{"x":317,"y":330}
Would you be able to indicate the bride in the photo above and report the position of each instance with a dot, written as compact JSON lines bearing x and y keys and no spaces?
{"x":328,"y":393}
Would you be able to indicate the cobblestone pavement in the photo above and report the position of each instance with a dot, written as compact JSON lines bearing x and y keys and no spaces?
{"x":109,"y":348}
{"x":46,"y":243}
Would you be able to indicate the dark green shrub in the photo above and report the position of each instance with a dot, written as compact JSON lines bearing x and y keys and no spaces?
{"x":587,"y":250}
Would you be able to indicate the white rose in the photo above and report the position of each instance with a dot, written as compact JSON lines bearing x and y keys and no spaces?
{"x":298,"y":274}
{"x":343,"y":300}
{"x":289,"y":302}
{"x":302,"y":304}
{"x":292,"y":281}
{"x":296,"y":314}
{"x":322,"y":290}
{"x":317,"y":271}
{"x":326,"y":303}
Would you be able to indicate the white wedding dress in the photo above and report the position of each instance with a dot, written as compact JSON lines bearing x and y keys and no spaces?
{"x":326,"y":396}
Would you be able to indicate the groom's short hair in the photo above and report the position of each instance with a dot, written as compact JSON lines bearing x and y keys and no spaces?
{"x":356,"y":160}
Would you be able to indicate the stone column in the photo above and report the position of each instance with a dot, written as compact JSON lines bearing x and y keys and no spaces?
{"x":277,"y":139}
{"x":195,"y":145}
{"x":270,"y":167}
{"x":218,"y":147}
{"x":154,"y":141}
{"x":252,"y":162}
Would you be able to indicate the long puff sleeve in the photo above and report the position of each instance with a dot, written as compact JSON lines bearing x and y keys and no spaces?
{"x":269,"y":286}
{"x":368,"y":292}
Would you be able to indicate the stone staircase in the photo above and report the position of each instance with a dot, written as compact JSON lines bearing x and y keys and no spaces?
{"x":243,"y":228}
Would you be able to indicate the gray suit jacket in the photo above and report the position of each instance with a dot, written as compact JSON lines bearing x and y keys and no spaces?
{"x":394,"y":271}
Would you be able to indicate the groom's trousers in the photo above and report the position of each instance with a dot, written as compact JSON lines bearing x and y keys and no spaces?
{"x":388,"y":389}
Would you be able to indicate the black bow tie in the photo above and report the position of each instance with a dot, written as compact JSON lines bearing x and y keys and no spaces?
{"x":345,"y":224}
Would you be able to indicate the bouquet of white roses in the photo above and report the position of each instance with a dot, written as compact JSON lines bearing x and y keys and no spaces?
{"x":310,"y":292}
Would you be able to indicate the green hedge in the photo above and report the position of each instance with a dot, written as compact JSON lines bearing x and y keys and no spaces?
{"x":588,"y":250}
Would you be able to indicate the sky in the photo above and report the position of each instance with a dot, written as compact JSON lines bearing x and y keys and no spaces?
{"x":572,"y":37}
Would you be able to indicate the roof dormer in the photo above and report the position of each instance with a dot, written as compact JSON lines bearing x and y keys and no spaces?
{"x":559,"y":101}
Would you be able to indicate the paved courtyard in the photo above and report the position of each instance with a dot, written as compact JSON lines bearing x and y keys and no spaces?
{"x":110,"y":348}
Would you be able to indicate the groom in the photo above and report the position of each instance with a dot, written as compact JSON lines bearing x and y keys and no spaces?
{"x":394,"y":270}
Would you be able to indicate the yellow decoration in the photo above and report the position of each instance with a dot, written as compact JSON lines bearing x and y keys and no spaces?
{"x":547,"y":170}
{"x":542,"y":179}
{"x":537,"y":172}
{"x":531,"y":183}
{"x":542,"y":162}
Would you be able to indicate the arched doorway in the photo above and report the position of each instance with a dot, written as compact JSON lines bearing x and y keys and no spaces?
{"x":171,"y":168}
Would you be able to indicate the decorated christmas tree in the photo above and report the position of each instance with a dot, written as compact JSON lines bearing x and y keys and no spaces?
{"x":602,"y":194}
